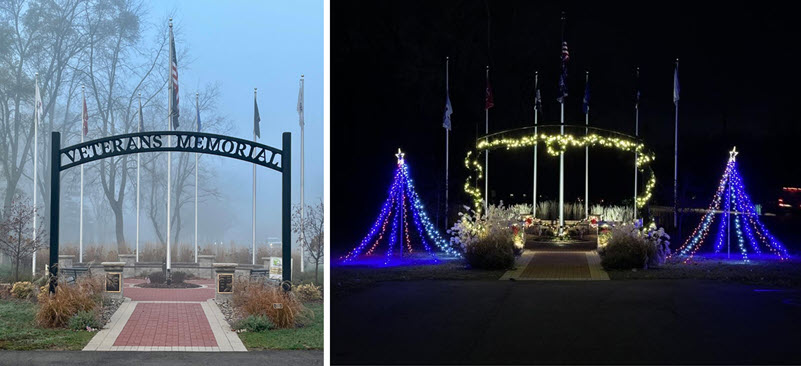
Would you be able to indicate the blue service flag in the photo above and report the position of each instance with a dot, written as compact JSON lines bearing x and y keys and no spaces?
{"x":198,"y":119}
{"x":676,"y":85}
{"x":446,"y":121}
{"x":587,"y":97}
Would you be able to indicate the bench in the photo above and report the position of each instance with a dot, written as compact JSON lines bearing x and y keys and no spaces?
{"x":71,"y":274}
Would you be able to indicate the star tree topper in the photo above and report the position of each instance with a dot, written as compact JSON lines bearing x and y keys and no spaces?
{"x":400,"y":156}
{"x":733,"y":154}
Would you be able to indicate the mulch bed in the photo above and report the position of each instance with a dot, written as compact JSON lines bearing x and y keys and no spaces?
{"x":172,"y":285}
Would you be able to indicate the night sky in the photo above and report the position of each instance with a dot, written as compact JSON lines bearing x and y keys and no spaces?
{"x":739,"y":86}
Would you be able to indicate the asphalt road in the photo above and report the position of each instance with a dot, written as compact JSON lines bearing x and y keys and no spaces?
{"x":69,"y":358}
{"x":566,"y":322}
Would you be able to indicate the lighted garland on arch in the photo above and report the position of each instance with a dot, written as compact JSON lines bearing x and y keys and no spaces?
{"x":556,"y":143}
{"x":402,"y":199}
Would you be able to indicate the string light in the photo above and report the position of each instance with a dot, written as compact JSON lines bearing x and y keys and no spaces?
{"x":401,"y":200}
{"x":745,"y":218}
{"x":555,"y":144}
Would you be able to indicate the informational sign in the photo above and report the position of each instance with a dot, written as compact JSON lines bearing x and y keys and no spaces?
{"x":276,"y":268}
{"x":113,"y":282}
{"x":225,"y":283}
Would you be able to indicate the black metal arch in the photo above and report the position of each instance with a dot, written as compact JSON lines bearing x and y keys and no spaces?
{"x":185,"y":141}
{"x":156,"y":141}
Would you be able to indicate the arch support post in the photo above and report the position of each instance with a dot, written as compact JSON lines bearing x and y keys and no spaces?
{"x":286,"y":205}
{"x":55,"y":187}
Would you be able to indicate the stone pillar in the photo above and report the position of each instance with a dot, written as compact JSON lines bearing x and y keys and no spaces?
{"x":113,"y":285}
{"x":204,"y":262}
{"x":266,"y":262}
{"x":130,"y":265}
{"x":65,"y":260}
{"x":224,"y":280}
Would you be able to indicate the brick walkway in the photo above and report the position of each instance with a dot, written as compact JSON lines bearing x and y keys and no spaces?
{"x":154,"y":319}
{"x":557,"y":265}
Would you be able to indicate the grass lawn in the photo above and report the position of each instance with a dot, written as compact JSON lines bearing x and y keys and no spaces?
{"x":308,"y":337}
{"x":345,"y":279}
{"x":758,"y":272}
{"x":18,"y":330}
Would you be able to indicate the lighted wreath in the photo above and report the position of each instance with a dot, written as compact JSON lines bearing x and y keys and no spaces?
{"x":556,"y":143}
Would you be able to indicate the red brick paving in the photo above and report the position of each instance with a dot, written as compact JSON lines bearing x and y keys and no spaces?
{"x":552,"y":265}
{"x":167,"y":324}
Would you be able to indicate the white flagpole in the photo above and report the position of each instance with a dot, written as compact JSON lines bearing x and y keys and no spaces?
{"x":169,"y":153}
{"x":197,"y":122}
{"x":80,"y":229}
{"x":676,"y":158}
{"x":486,"y":152}
{"x":35,"y":164}
{"x":562,"y":173}
{"x":536,"y":113}
{"x":587,"y":158}
{"x":253,"y":231}
{"x":636,"y":135}
{"x":302,"y":170}
{"x":447,"y":140}
{"x":138,"y":129}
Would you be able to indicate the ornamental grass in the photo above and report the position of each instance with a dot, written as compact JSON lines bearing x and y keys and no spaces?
{"x":85,"y":295}
{"x":254,"y":297}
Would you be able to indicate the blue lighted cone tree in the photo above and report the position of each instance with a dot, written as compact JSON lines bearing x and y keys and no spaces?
{"x":392,"y":225}
{"x":737,"y":210}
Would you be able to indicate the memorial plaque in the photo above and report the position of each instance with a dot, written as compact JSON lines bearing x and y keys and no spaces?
{"x":225,"y":283}
{"x":113,"y":282}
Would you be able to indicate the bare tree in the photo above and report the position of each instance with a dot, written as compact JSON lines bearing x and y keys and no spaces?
{"x":115,"y":78}
{"x":310,"y":229}
{"x":16,"y":233}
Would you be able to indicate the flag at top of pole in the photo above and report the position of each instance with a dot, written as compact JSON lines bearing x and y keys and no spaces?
{"x":676,"y":83}
{"x":301,"y":108}
{"x":197,"y":108}
{"x":85,"y":117}
{"x":256,"y":118}
{"x":173,"y":84}
{"x":488,"y":100}
{"x":446,"y":120}
{"x":565,"y":59}
{"x":587,"y":95}
{"x":537,"y":95}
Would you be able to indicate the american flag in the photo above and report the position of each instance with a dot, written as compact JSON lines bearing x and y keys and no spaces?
{"x":173,"y":84}
{"x":565,"y":52}
{"x":488,"y":101}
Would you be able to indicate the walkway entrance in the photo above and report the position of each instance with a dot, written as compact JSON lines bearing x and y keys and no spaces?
{"x":167,"y":320}
{"x":543,"y":260}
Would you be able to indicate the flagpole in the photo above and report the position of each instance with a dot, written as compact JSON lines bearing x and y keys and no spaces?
{"x":302,"y":161}
{"x":563,"y":94}
{"x":536,"y":113}
{"x":197,"y":122}
{"x":447,"y":141}
{"x":253,"y":226}
{"x":676,"y":154}
{"x":80,"y":229}
{"x":587,"y":155}
{"x":169,"y":153}
{"x":637,"y":136}
{"x":486,"y":152}
{"x":138,"y":129}
{"x":35,"y":163}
